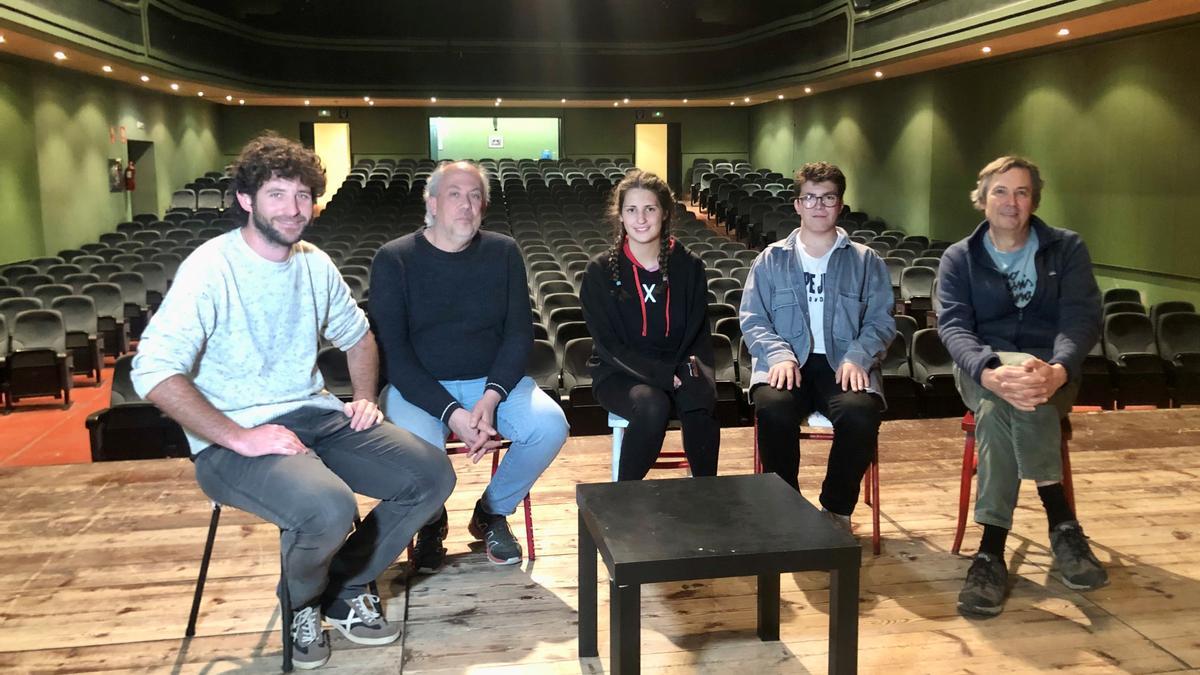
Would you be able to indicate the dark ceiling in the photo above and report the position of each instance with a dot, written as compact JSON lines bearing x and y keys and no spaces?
{"x":601,"y":21}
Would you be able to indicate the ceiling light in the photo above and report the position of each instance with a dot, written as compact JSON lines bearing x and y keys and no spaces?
{"x":626,"y":101}
{"x":2,"y":40}
{"x":241,"y":101}
{"x":1063,"y":32}
{"x":370,"y":102}
{"x":562,"y":100}
{"x":228,"y":97}
{"x":746,"y":99}
{"x":733,"y":103}
{"x":497,"y":103}
{"x":200,"y":93}
{"x":144,"y":78}
{"x":986,"y":50}
{"x":60,"y":56}
{"x":780,"y":97}
{"x":808,"y":90}
{"x":307,"y":102}
{"x":433,"y":99}
{"x":878,"y":73}
{"x":174,"y":87}
{"x":685,"y":100}
{"x":615,"y":104}
{"x":107,"y":69}
{"x":367,"y":99}
{"x":658,"y":113}
{"x":499,"y":100}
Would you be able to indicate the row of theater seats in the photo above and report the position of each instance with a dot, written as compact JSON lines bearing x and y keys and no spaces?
{"x":210,"y":192}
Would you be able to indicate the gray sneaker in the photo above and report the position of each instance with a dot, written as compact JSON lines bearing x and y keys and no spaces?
{"x":364,"y":624}
{"x":502,"y":546}
{"x":310,"y":645}
{"x":1077,"y":566}
{"x":985,"y":588}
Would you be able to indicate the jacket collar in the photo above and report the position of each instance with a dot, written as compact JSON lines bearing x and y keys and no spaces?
{"x":791,"y":241}
{"x":1046,"y":235}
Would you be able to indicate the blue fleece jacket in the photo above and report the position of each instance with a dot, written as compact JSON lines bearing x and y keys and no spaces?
{"x":978,"y":317}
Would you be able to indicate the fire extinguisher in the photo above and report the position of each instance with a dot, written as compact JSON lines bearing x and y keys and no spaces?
{"x":130,"y":176}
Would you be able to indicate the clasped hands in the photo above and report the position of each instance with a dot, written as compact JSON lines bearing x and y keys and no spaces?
{"x":1025,"y":386}
{"x":477,"y":428}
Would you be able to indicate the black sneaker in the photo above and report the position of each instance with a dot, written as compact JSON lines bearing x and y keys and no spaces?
{"x":1077,"y":566}
{"x":363,"y":624}
{"x":428,"y":554}
{"x":310,"y":645}
{"x":502,"y":546}
{"x":985,"y":588}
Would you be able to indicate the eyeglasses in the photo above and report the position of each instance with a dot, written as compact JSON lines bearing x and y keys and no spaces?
{"x":829,"y":199}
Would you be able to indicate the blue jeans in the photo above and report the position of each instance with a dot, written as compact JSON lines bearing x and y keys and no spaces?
{"x":311,"y":498}
{"x":528,"y":417}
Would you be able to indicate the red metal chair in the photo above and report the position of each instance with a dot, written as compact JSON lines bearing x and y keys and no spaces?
{"x":456,"y":447}
{"x":971,"y":463}
{"x":870,"y":478}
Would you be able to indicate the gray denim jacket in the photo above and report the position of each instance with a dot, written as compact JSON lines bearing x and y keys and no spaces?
{"x":858,"y":304}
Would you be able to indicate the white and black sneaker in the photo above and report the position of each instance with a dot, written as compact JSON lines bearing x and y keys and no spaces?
{"x":362,"y":624}
{"x":310,"y":644}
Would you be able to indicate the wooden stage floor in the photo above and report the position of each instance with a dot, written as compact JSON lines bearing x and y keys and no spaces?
{"x":98,"y":565}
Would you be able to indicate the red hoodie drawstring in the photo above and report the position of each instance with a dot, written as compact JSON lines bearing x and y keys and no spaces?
{"x":637,"y":281}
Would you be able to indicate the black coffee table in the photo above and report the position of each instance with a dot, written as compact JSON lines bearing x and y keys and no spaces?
{"x":703,"y":528}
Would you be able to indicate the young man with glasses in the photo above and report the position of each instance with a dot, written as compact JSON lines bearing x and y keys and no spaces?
{"x":816,"y":317}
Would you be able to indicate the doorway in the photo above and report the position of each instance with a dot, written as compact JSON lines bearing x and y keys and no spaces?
{"x":144,"y":198}
{"x":657,"y":150}
{"x":331,"y":142}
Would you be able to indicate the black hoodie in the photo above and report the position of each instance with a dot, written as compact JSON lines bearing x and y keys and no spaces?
{"x":634,"y":332}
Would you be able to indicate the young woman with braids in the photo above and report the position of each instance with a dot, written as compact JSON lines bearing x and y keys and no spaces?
{"x":645,"y":303}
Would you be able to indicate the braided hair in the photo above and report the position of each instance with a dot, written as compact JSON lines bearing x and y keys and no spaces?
{"x":639,"y":180}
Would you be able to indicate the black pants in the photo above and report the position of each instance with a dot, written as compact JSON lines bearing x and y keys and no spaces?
{"x":855,"y":417}
{"x":648,"y":410}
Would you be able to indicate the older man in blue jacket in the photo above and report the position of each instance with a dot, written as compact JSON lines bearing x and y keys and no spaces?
{"x":1019,"y":311}
{"x":816,"y":318}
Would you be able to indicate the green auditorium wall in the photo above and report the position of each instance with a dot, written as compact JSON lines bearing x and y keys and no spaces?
{"x":20,"y":203}
{"x":586,"y":132}
{"x":60,"y":131}
{"x":1112,"y":124}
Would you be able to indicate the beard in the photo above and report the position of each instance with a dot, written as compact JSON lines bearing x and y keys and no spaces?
{"x":268,"y":231}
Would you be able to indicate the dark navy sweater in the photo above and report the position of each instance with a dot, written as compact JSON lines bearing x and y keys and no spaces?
{"x":450,"y":316}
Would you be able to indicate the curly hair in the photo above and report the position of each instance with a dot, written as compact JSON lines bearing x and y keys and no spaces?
{"x":639,"y":180}
{"x":1004,"y":165}
{"x":820,"y":172}
{"x":270,"y":155}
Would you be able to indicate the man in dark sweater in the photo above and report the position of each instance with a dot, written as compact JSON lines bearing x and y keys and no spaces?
{"x":1020,"y":310}
{"x":451,"y":308}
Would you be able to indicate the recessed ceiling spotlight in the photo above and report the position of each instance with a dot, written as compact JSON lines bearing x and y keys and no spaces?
{"x":733,"y":103}
{"x":780,"y":97}
{"x":2,"y":40}
{"x":497,"y":103}
{"x":60,"y":56}
{"x":616,"y":103}
{"x":307,"y":102}
{"x":878,"y":73}
{"x":144,"y":78}
{"x":625,"y":100}
{"x":685,"y":100}
{"x":200,"y":93}
{"x":367,"y":99}
{"x":241,"y":101}
{"x":1064,"y":32}
{"x":107,"y":69}
{"x":174,"y":87}
{"x":433,"y":99}
{"x":808,"y":90}
{"x":563,"y":100}
{"x":370,"y":102}
{"x":499,"y":100}
{"x":746,"y":99}
{"x":228,"y":97}
{"x":986,"y":50}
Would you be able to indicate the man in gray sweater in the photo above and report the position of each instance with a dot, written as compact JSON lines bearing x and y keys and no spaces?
{"x":231,"y":355}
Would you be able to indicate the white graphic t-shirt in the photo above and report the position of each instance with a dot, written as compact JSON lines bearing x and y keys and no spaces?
{"x":1020,"y":273}
{"x":814,"y":282}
